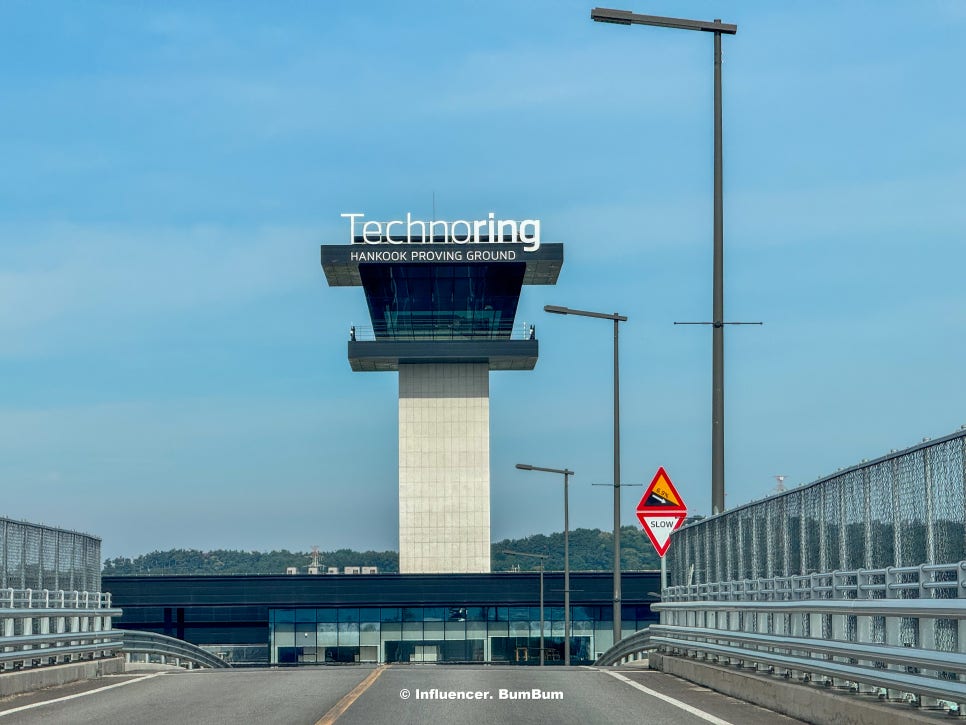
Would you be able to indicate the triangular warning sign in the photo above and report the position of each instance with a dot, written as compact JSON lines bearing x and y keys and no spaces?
{"x":661,"y":511}
{"x":658,"y":528}
{"x":661,"y":496}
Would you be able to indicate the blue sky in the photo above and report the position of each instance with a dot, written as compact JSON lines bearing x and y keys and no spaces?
{"x":173,"y":364}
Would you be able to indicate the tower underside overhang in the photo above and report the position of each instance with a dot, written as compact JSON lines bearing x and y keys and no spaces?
{"x":387,"y":355}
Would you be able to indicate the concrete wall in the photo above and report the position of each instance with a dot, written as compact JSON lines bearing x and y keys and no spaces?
{"x":809,"y":703}
{"x":444,"y":468}
{"x":14,"y":683}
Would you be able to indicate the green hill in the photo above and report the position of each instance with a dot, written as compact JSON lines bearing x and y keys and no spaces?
{"x":590,"y":549}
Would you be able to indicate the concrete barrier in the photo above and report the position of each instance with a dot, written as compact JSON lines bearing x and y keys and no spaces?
{"x":152,"y":667}
{"x":804,"y":702}
{"x":15,"y":683}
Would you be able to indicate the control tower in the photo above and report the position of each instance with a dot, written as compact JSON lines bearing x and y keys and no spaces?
{"x":443,"y":316}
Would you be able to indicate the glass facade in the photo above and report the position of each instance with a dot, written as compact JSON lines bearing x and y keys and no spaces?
{"x":457,"y":633}
{"x":442,"y":302}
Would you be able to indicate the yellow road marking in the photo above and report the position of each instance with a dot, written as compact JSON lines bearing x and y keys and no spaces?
{"x":346,"y":702}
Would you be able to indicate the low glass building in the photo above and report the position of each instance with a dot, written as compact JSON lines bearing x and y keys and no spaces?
{"x":454,"y":633}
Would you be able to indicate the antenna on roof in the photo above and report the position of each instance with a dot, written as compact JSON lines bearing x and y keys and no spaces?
{"x":781,"y":484}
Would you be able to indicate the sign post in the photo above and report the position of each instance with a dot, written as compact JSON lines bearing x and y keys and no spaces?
{"x":661,"y":511}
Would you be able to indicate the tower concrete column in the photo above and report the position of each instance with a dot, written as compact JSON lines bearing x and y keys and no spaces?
{"x":444,"y":468}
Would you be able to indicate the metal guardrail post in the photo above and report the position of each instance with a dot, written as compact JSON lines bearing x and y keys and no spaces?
{"x":893,"y":634}
{"x":864,"y":625}
{"x":926,"y":636}
{"x":837,"y":622}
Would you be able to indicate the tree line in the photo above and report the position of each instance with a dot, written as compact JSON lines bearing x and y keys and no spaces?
{"x":590,"y":550}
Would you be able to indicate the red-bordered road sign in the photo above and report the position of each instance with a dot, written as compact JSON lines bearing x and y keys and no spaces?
{"x":661,"y":511}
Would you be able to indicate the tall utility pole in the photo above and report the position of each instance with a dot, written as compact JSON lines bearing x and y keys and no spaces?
{"x":717,"y":312}
{"x":623,"y":17}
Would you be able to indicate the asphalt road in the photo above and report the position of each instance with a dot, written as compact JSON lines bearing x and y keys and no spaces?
{"x":397,"y":695}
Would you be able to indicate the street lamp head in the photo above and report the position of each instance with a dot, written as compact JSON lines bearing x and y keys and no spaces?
{"x":556,"y":309}
{"x":626,"y":17}
{"x":607,"y":16}
{"x":524,"y":466}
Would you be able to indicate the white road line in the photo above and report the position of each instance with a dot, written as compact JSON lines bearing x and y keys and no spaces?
{"x":4,"y":713}
{"x":670,"y":700}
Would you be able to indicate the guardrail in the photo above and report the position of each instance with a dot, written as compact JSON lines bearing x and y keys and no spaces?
{"x":632,"y":647}
{"x":896,"y":632}
{"x":151,"y":644}
{"x":46,"y":599}
{"x":925,"y":581}
{"x":42,"y":627}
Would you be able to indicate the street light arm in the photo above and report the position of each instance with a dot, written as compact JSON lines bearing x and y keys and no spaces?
{"x":625,"y":17}
{"x":523,"y":553}
{"x":561,"y":471}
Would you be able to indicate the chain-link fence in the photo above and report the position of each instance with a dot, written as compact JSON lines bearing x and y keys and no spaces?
{"x":904,"y":509}
{"x":41,"y":557}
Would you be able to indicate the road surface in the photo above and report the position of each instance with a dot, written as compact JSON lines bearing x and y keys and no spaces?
{"x":395,"y":694}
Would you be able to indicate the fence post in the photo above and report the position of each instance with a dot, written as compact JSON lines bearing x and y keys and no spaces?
{"x":960,"y":593}
{"x":839,"y":626}
{"x":770,"y":530}
{"x":822,"y":532}
{"x":929,"y":495}
{"x":843,"y":553}
{"x":896,"y":516}
{"x":755,"y":571}
{"x":802,"y":535}
{"x":867,"y":561}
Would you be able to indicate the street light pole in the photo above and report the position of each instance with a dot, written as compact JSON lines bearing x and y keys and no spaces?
{"x":717,"y":313}
{"x":623,"y":17}
{"x":566,"y":473}
{"x":617,"y":318}
{"x":566,"y":569}
{"x":617,"y":613}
